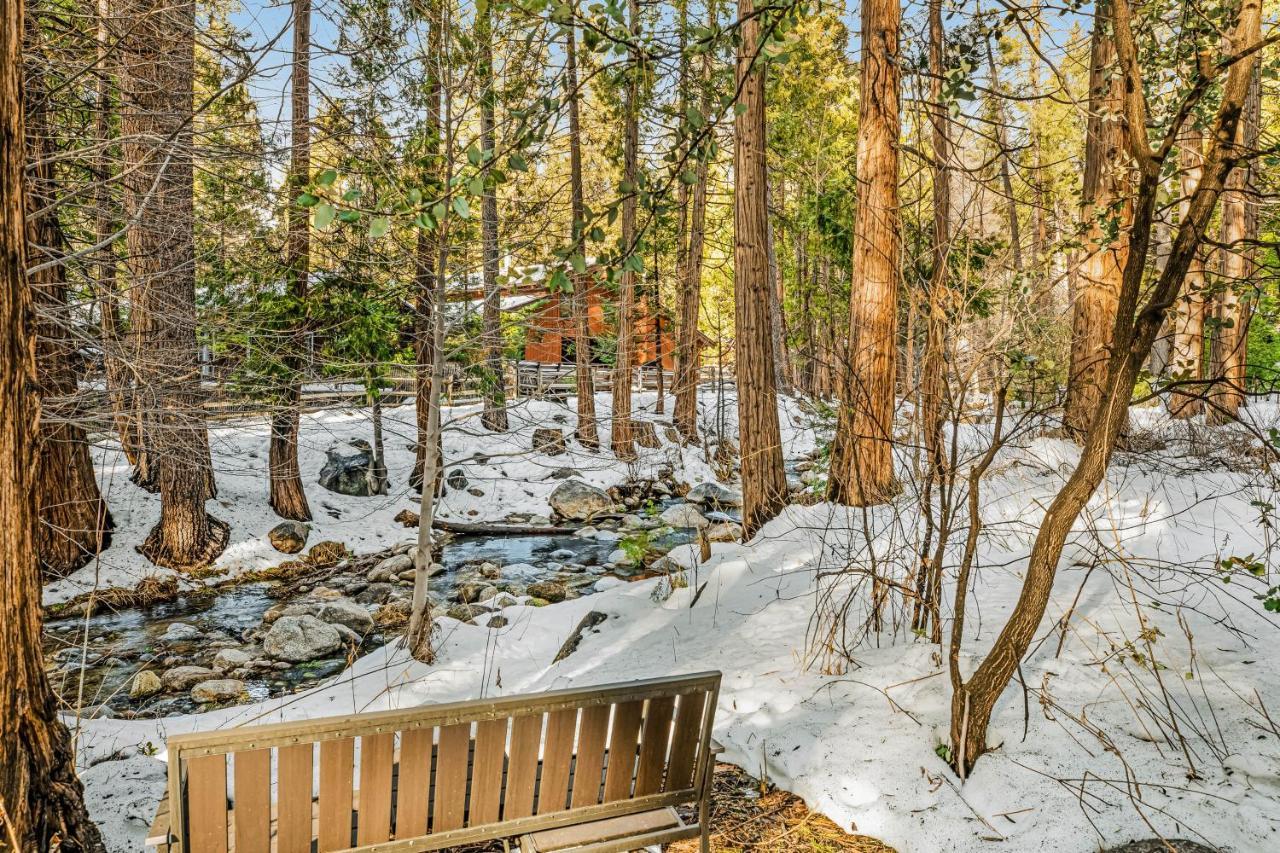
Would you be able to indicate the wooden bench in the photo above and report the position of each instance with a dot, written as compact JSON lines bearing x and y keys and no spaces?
{"x":594,"y":769}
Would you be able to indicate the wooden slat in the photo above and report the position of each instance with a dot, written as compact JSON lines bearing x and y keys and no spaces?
{"x":655,"y":737}
{"x":609,"y":829}
{"x":557,"y":761}
{"x":684,"y":741}
{"x":451,"y":777}
{"x":623,"y":736}
{"x":377,"y":752}
{"x":252,"y":773}
{"x":207,"y":804}
{"x":522,"y":769}
{"x":589,"y":761}
{"x":486,"y":772}
{"x":293,"y":798}
{"x":413,"y":788}
{"x":337,"y":771}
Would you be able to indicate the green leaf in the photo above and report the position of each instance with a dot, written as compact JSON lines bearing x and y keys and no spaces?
{"x":349,"y":216}
{"x":476,"y":186}
{"x":323,"y":216}
{"x":327,"y":177}
{"x":461,"y":207}
{"x":559,"y":282}
{"x":473,"y":155}
{"x":378,"y":226}
{"x":351,"y":194}
{"x":438,"y":211}
{"x":579,"y":264}
{"x":307,"y":200}
{"x":517,"y":163}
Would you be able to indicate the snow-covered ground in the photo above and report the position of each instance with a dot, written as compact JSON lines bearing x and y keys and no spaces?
{"x":1146,"y":665}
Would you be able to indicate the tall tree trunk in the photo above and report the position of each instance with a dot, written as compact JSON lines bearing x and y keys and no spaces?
{"x":588,"y":432}
{"x":688,"y":352}
{"x":106,"y":217}
{"x":156,"y":86}
{"x":777,"y":312}
{"x":764,"y":481}
{"x":1107,"y":213}
{"x":622,"y":435}
{"x":43,"y":800}
{"x":1229,"y":337}
{"x":1135,"y":329}
{"x":430,"y":247}
{"x":1002,"y":140}
{"x":288,"y":497}
{"x":862,"y":456}
{"x":74,"y":521}
{"x":494,"y":416}
{"x":1187,"y":356}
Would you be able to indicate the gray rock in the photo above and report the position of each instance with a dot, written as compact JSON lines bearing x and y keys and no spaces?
{"x":469,"y":593}
{"x":390,"y":568}
{"x":714,"y":494}
{"x":185,"y":677}
{"x":375,"y":593}
{"x":490,"y":570}
{"x":456,"y":479}
{"x":724,"y":531}
{"x":218,"y":690}
{"x":145,"y":683}
{"x":349,"y":473}
{"x":577,"y":500}
{"x":180,"y":632}
{"x":467,"y":612}
{"x":229,"y":659}
{"x":289,"y":537}
{"x":344,"y":611}
{"x":548,"y":441}
{"x":684,"y":515}
{"x":301,"y":638}
{"x":498,"y":621}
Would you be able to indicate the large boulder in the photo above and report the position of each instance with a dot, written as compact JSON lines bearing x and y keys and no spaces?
{"x":218,"y":690}
{"x":352,"y":473}
{"x":344,"y":611}
{"x":301,"y":638}
{"x":577,"y":500}
{"x":289,"y":537}
{"x":229,"y":659}
{"x":714,"y":494}
{"x":185,"y":677}
{"x":684,"y":515}
{"x":552,"y":591}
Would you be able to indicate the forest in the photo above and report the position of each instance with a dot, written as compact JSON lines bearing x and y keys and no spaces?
{"x":912,"y":367}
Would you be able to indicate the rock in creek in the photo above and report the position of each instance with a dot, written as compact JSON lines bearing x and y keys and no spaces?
{"x":344,"y":611}
{"x":684,"y":515}
{"x":145,"y":683}
{"x":714,"y":494}
{"x":301,"y":638}
{"x":180,"y":632}
{"x":229,"y":659}
{"x":352,"y":474}
{"x":218,"y":690}
{"x":552,"y":591}
{"x":289,"y":537}
{"x":185,"y":677}
{"x":575,"y":499}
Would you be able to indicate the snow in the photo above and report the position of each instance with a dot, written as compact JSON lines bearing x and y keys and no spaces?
{"x":848,"y":720}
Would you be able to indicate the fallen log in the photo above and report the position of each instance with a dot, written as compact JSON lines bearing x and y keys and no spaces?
{"x":482,"y":529}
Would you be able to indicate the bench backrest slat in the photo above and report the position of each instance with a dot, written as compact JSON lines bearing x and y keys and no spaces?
{"x":445,"y":774}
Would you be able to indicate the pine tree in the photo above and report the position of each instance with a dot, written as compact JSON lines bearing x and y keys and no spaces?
{"x":494,"y":416}
{"x":862,"y":456}
{"x":622,"y":433}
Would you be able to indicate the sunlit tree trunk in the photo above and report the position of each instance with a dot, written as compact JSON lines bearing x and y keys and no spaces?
{"x":764,"y":482}
{"x":688,"y":353}
{"x":43,"y":800}
{"x":288,"y":497}
{"x":588,"y":431}
{"x":494,"y":415}
{"x":621,"y":436}
{"x":156,"y":113}
{"x":862,"y":455}
{"x":1187,"y":353}
{"x":1229,"y":336}
{"x":1107,"y":213}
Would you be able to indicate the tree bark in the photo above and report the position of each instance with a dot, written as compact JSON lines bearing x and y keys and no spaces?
{"x":622,"y":435}
{"x":1229,"y":337}
{"x":288,"y":497}
{"x":588,"y":432}
{"x":862,"y":455}
{"x":156,"y":124}
{"x":74,"y":521}
{"x":1134,"y":331}
{"x":1187,"y":355}
{"x":688,"y":353}
{"x":494,"y":415}
{"x":43,"y":800}
{"x":764,"y":482}
{"x":1107,"y":213}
